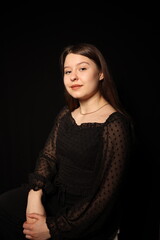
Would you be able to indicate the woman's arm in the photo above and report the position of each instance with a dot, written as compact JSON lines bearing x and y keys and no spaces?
{"x":40,"y":179}
{"x":45,"y":168}
{"x":34,"y":204}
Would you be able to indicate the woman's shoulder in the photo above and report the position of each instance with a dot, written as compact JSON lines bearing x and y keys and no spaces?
{"x":118,"y":118}
{"x":64,"y":109}
{"x":62,"y":112}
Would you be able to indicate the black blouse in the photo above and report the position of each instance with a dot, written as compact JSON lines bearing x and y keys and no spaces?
{"x":87,"y":163}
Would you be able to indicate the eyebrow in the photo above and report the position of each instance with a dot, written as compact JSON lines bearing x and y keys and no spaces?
{"x":77,"y":64}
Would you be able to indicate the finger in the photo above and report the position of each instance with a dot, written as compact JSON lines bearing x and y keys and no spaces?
{"x":26,"y":232}
{"x":34,"y":215}
{"x":28,"y":237}
{"x":27,"y":225}
{"x":30,"y":220}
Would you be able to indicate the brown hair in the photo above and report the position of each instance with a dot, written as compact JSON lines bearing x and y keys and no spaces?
{"x":106,"y":86}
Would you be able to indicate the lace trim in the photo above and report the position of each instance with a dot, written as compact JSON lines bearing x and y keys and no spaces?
{"x":37,"y":182}
{"x":93,"y":124}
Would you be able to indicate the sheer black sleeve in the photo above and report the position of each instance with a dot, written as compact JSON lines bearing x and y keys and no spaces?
{"x":80,"y":218}
{"x":46,"y":162}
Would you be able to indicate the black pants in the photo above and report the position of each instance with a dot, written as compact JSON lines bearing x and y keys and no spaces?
{"x":12,"y":214}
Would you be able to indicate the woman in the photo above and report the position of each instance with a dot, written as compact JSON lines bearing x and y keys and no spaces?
{"x":76,"y":189}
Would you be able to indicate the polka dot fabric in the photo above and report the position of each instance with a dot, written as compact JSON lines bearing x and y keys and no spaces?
{"x":91,"y":160}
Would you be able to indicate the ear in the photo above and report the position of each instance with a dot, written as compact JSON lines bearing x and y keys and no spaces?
{"x":101,"y":76}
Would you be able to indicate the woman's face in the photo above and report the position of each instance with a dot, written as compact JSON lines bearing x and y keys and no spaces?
{"x":81,"y":76}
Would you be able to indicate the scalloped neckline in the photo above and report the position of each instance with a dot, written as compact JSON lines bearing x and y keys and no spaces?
{"x":91,"y":123}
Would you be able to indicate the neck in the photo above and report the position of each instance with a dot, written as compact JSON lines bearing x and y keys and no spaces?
{"x":87,"y":107}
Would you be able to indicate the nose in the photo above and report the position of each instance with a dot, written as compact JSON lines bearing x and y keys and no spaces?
{"x":73,"y":77}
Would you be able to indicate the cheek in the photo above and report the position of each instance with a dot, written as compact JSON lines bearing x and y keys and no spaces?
{"x":65,"y":82}
{"x":93,"y":81}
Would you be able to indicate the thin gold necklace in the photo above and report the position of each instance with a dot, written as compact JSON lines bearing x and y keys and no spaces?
{"x":93,"y":111}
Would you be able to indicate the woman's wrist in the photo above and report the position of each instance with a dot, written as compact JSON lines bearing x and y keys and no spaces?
{"x":37,"y":193}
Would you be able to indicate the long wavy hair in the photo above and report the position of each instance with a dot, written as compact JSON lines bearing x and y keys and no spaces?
{"x":106,"y":86}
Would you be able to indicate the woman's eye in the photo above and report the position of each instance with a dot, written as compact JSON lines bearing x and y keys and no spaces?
{"x":67,"y":72}
{"x":83,"y":68}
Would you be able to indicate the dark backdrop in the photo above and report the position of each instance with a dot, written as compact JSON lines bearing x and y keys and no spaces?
{"x":32,"y":91}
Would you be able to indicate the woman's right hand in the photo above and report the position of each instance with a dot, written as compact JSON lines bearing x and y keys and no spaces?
{"x":34,"y":205}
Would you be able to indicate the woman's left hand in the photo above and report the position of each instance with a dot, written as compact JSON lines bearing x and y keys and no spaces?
{"x":37,"y":230}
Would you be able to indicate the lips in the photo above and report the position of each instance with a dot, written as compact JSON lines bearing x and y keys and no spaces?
{"x":76,"y":86}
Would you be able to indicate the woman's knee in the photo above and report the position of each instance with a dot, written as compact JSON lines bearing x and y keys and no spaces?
{"x":14,"y":201}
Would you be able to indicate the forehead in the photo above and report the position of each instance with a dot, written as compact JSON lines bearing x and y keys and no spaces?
{"x":75,"y":59}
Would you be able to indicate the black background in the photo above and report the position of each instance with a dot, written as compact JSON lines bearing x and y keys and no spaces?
{"x":32,"y":89}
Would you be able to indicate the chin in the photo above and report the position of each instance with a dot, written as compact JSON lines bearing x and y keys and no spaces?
{"x":76,"y":96}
